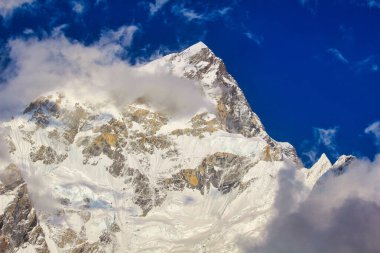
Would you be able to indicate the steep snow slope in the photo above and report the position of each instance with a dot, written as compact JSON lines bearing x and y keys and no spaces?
{"x":134,"y":178}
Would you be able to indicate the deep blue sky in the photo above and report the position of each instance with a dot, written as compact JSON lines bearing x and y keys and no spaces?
{"x":302,"y":65}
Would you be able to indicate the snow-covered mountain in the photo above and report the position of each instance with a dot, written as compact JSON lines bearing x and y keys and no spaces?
{"x":88,"y":176}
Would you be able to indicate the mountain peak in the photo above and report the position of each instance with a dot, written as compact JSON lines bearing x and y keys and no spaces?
{"x":197,"y":47}
{"x":342,"y":162}
{"x":324,"y":159}
{"x":195,"y":50}
{"x":323,"y":164}
{"x":317,"y":170}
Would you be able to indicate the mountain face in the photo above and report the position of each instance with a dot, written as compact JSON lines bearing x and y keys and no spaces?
{"x":85,"y":178}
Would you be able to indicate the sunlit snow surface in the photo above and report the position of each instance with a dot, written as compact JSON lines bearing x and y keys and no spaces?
{"x":186,"y":221}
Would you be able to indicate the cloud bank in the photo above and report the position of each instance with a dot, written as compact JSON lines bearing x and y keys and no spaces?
{"x":340,"y":216}
{"x":91,"y":73}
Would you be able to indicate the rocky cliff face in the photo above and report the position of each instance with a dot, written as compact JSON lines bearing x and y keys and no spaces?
{"x":137,"y":179}
{"x":19,"y":225}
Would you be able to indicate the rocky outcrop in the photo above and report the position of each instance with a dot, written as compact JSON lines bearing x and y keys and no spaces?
{"x":146,"y":196}
{"x":150,"y":121}
{"x":19,"y":226}
{"x":42,"y":110}
{"x":73,"y":120}
{"x":223,"y":171}
{"x":47,"y":155}
{"x":200,"y":126}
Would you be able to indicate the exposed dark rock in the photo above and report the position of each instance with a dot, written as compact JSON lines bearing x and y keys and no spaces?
{"x":73,"y":121}
{"x":42,"y":110}
{"x":47,"y":155}
{"x":19,"y":224}
{"x":114,"y":227}
{"x":105,"y":238}
{"x":145,"y":195}
{"x":88,"y":248}
{"x":221,"y":170}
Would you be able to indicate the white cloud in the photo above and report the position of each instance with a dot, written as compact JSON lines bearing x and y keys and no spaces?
{"x":158,"y":53}
{"x":255,"y":38}
{"x":28,"y":31}
{"x":374,"y":130}
{"x":122,"y":37}
{"x":311,"y":154}
{"x":326,"y":137}
{"x":78,"y":7}
{"x":323,"y":138}
{"x":98,"y":2}
{"x":223,"y":11}
{"x":310,"y":5}
{"x":90,"y":73}
{"x":192,"y":15}
{"x":156,"y":6}
{"x":8,"y":6}
{"x":187,"y":13}
{"x":340,"y":215}
{"x":373,"y":3}
{"x":303,"y":2}
{"x":367,"y":64}
{"x":338,"y":55}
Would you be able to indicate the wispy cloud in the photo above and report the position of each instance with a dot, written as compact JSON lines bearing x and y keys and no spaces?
{"x":368,"y":3}
{"x":368,"y":64}
{"x":223,"y":11}
{"x":8,"y":6}
{"x":303,"y":2}
{"x":365,"y":64}
{"x":118,"y":39}
{"x":374,"y":130}
{"x":78,"y":6}
{"x":374,"y":3}
{"x":161,"y":51}
{"x":156,"y":6}
{"x":190,"y":14}
{"x":310,"y":5}
{"x":258,"y":39}
{"x":324,"y":138}
{"x":97,"y":2}
{"x":311,"y":154}
{"x":338,"y":55}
